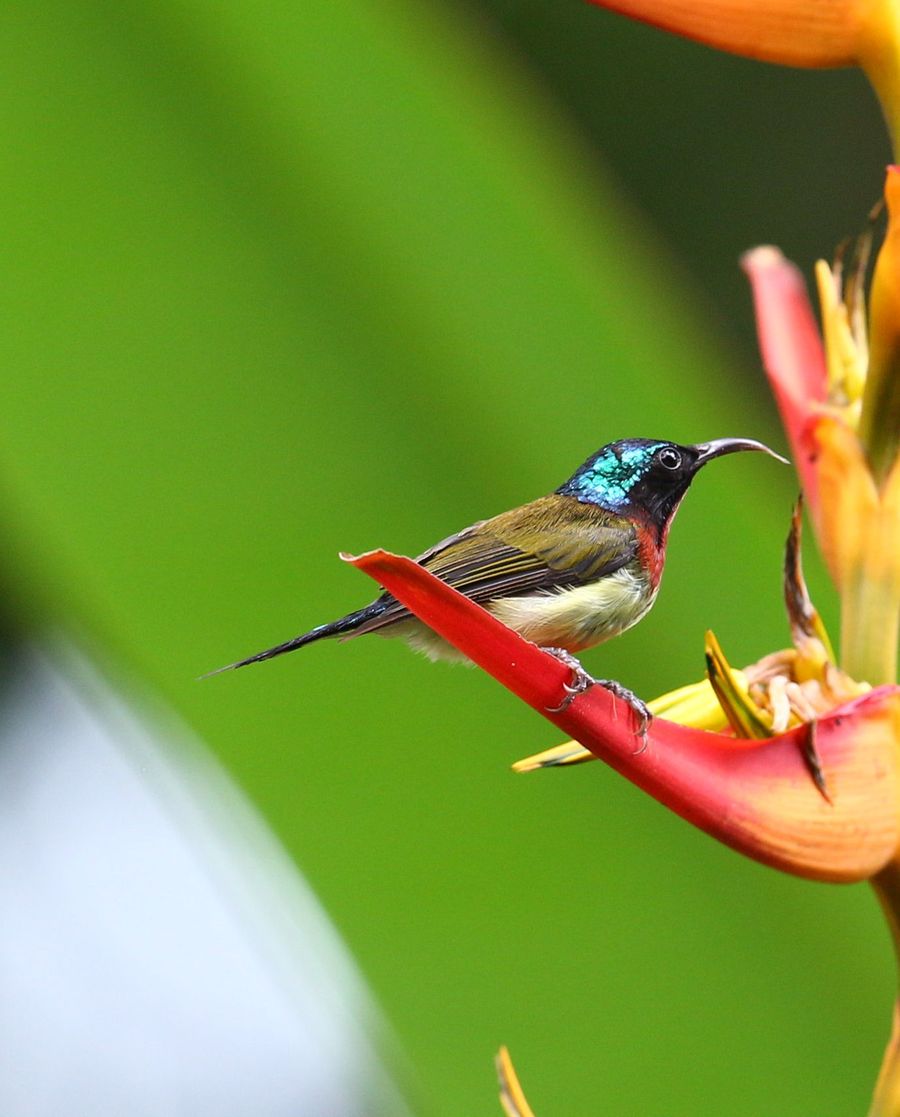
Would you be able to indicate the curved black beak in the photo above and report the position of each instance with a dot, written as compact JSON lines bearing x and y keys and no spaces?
{"x":706,"y":451}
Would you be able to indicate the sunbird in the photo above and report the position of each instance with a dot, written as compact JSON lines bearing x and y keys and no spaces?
{"x":566,"y":571}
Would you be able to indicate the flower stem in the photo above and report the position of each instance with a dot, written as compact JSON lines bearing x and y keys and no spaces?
{"x":870,"y":617}
{"x":886,"y":1100}
{"x":870,"y":595}
{"x":870,"y":628}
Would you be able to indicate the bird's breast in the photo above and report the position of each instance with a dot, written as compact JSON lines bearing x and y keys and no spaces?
{"x":583,"y":616}
{"x":651,"y":548}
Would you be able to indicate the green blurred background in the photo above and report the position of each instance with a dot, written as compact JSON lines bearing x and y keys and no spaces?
{"x":282,"y":279}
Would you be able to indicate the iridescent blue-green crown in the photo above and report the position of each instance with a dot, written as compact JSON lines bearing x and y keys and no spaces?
{"x":608,"y":476}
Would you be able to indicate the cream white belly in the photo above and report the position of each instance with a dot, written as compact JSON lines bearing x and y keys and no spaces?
{"x":573,"y":619}
{"x":579,"y":618}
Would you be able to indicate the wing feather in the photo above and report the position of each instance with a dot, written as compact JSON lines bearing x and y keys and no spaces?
{"x":554,"y":543}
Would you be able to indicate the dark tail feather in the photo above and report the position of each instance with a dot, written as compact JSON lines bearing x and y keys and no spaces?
{"x":340,"y":627}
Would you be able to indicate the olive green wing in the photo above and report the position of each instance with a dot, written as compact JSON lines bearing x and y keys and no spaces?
{"x":554,"y":543}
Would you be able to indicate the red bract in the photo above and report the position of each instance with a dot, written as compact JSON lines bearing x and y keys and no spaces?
{"x":792,"y":355}
{"x":757,"y":797}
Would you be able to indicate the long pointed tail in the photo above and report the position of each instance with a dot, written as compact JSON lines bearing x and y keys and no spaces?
{"x":341,"y":627}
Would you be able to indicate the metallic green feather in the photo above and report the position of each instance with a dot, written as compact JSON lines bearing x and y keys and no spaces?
{"x":553,"y":543}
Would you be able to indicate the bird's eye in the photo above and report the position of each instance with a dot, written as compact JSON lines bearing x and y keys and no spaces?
{"x":669,"y":457}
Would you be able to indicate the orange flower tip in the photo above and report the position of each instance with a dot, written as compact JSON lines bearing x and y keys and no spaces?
{"x":815,"y":33}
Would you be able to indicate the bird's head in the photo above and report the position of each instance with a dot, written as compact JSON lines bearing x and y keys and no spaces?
{"x":647,"y":477}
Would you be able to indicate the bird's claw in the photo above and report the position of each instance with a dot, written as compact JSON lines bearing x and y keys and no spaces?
{"x":638,"y":705}
{"x":582,"y":681}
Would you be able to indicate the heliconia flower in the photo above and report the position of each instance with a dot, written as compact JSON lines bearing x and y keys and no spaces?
{"x":813,"y":33}
{"x":785,"y":689}
{"x":756,"y":796}
{"x":792,"y":761}
{"x":841,"y":409}
{"x":793,"y":357}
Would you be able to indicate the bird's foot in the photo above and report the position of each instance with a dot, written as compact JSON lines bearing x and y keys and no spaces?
{"x":638,"y":705}
{"x":581,"y":680}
